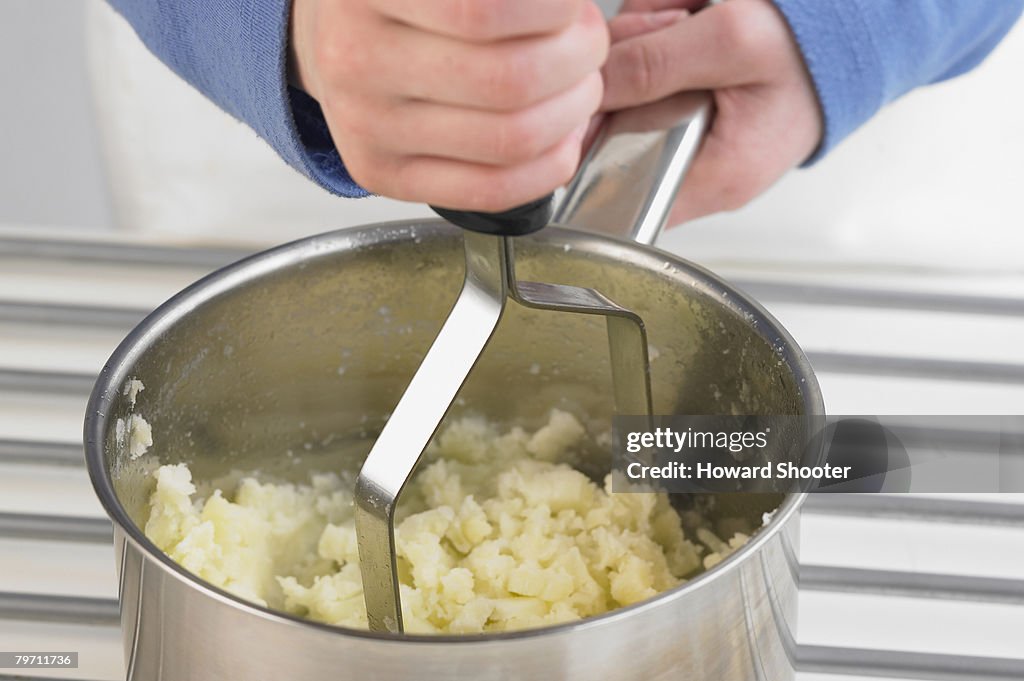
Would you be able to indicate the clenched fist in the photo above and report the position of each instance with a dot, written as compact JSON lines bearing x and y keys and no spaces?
{"x":767,"y":117}
{"x":469,"y":104}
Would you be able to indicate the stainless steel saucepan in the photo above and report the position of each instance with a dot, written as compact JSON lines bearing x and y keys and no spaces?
{"x":306,"y":348}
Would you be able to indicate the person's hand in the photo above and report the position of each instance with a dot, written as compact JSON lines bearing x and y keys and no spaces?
{"x":467,"y":104}
{"x":767,"y":118}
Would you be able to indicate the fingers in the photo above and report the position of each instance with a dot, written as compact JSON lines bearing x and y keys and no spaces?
{"x":767,"y":117}
{"x":467,"y":186}
{"x":404,"y":62}
{"x":484,"y":137}
{"x":467,"y":158}
{"x":471,"y":104}
{"x":593,"y":129}
{"x":483,"y":20}
{"x":721,"y":178}
{"x":722,"y":46}
{"x":758,"y":134}
{"x":732,"y":169}
{"x":630,"y":25}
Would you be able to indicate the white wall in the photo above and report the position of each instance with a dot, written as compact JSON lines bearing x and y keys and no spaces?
{"x":50,"y":170}
{"x":933,"y":180}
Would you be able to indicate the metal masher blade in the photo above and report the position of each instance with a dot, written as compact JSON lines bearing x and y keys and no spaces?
{"x":629,"y":180}
{"x":489,"y":282}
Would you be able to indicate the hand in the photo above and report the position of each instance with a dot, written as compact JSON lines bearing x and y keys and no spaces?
{"x":767,"y":117}
{"x":467,"y":104}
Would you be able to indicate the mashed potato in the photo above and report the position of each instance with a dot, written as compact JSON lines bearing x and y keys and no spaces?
{"x":495,"y":532}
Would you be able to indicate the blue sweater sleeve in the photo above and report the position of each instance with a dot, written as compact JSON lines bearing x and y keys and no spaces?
{"x":863,"y":54}
{"x":234,"y":52}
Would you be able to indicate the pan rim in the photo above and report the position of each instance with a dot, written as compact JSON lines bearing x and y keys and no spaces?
{"x":139,"y":339}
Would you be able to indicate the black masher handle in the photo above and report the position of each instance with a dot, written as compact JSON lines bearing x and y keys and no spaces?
{"x":519,"y":221}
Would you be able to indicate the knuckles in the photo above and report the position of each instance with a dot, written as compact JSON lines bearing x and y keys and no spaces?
{"x":742,"y":27}
{"x":502,"y":75}
{"x":496,"y":192}
{"x":510,"y":76}
{"x":488,"y":20}
{"x":477,"y":19}
{"x":502,"y":188}
{"x":354,"y":119}
{"x":567,"y":161}
{"x":516,"y":138}
{"x":507,"y":80}
{"x":344,"y":60}
{"x":369,"y":171}
{"x":328,"y":52}
{"x":641,"y":68}
{"x":492,"y":188}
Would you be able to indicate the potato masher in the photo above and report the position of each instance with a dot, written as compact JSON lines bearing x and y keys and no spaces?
{"x":490,"y":280}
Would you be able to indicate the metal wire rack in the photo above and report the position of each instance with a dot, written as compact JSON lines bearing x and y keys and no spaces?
{"x":918,"y":587}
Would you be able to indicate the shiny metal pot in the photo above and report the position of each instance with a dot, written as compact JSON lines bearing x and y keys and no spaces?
{"x":307,"y":347}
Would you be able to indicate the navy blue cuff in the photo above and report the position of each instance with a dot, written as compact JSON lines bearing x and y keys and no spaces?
{"x":289,"y":120}
{"x":315,"y":139}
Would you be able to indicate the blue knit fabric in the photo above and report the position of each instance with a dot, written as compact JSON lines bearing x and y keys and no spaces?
{"x":235,"y":52}
{"x":861,"y":55}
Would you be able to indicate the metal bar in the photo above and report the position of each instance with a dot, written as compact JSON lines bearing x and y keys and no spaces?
{"x":18,"y":677}
{"x":414,"y":420}
{"x":809,"y":294}
{"x":917,"y":508}
{"x":56,"y":528}
{"x":41,"y":453}
{"x":912,"y":584}
{"x":960,"y":439}
{"x":213,"y":257}
{"x":907,"y":665}
{"x":64,"y":609}
{"x":61,"y":383}
{"x":917,"y":367}
{"x":70,"y":315}
{"x":205,"y":257}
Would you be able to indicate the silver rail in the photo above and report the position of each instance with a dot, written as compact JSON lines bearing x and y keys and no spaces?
{"x":849,"y":296}
{"x":916,"y":367}
{"x":907,"y":665}
{"x":912,"y":584}
{"x":940,"y":510}
{"x":18,"y":677}
{"x":41,"y":453}
{"x":71,"y":315}
{"x":56,"y":528}
{"x":59,"y":608}
{"x":58,"y":382}
{"x":112,"y":252}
